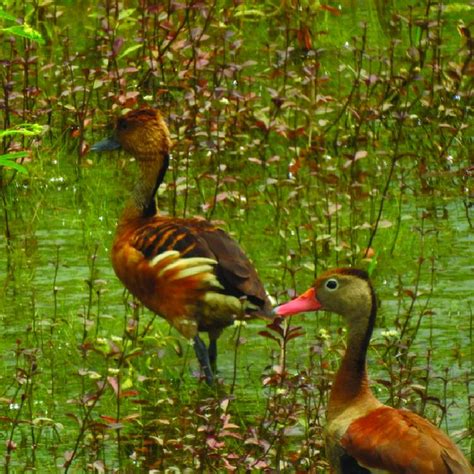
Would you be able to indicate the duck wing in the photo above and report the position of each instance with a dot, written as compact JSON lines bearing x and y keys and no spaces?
{"x":400,"y":441}
{"x":196,"y":238}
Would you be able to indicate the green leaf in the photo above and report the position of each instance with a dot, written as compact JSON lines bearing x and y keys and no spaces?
{"x":372,"y":265}
{"x":24,"y":31}
{"x":457,"y":7}
{"x":8,"y":161}
{"x":248,"y":12}
{"x":14,"y":155}
{"x":126,"y":13}
{"x":6,"y":16}
{"x":130,"y":50}
{"x":25,"y":129}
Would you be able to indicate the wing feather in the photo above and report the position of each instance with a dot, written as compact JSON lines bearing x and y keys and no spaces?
{"x":234,"y":268}
{"x":199,"y":238}
{"x":402,"y":442}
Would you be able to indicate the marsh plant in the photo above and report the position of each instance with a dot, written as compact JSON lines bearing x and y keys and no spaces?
{"x":318,"y":136}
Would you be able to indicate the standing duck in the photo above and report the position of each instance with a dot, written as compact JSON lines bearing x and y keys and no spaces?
{"x":363,"y":435}
{"x":186,"y":270}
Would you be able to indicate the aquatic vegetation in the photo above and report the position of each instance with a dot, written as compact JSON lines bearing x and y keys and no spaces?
{"x":318,"y":137}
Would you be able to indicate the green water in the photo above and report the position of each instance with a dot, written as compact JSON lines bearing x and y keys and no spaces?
{"x":52,"y":246}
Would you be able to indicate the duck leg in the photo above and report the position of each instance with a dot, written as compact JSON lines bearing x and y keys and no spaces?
{"x":213,"y":353}
{"x":202,"y":355}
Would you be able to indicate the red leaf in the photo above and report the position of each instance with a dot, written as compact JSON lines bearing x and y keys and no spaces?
{"x":334,"y":11}
{"x":68,"y":456}
{"x":294,"y":166}
{"x":128,"y":393}
{"x":276,"y":326}
{"x":409,"y":293}
{"x":213,"y":443}
{"x":109,"y":419}
{"x":304,"y":38}
{"x":261,"y":124}
{"x":113,"y":382}
{"x":222,"y":196}
{"x":11,"y":445}
{"x":360,"y":154}
{"x":269,"y":335}
{"x":294,"y":335}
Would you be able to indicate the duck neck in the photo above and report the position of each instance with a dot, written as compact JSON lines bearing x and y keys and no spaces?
{"x":152,"y":173}
{"x":351,"y":384}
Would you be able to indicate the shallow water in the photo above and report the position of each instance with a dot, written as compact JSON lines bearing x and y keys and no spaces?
{"x":52,"y":248}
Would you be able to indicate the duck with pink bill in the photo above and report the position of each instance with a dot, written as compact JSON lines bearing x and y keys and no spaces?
{"x":363,"y":435}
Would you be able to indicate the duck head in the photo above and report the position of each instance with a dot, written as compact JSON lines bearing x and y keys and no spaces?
{"x":345,"y":291}
{"x":142,"y":133}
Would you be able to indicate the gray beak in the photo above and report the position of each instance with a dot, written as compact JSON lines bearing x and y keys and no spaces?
{"x":107,"y":144}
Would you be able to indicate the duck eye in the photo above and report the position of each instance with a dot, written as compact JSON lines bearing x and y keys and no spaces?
{"x":122,"y":124}
{"x":332,"y":284}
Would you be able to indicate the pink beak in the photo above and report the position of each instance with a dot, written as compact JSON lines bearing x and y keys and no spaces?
{"x":305,"y":302}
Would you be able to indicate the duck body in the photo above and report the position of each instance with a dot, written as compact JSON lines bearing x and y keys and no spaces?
{"x":188,"y":271}
{"x":397,"y":441}
{"x":362,"y":434}
{"x":387,"y":440}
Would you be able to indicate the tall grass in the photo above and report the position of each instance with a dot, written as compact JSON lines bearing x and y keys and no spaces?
{"x":315,"y":140}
